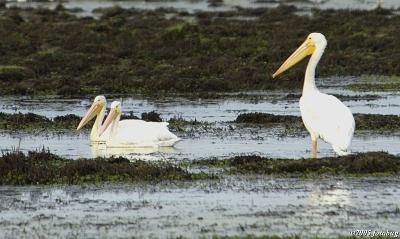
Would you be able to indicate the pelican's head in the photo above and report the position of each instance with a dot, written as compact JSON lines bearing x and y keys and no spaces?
{"x":115,"y":112}
{"x":98,"y":104}
{"x":313,"y":42}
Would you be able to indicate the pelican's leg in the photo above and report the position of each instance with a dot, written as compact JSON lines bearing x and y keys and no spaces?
{"x":314,"y":148}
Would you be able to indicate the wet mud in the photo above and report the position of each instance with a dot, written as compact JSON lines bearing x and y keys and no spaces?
{"x":236,"y":206}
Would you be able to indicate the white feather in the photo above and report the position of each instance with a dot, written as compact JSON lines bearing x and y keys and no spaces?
{"x":328,"y":118}
{"x":139,"y":133}
{"x":136,"y":133}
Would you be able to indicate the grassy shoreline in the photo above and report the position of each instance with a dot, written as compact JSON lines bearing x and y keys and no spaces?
{"x":141,"y":51}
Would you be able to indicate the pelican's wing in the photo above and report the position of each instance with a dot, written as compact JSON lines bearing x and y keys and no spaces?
{"x":330,"y":119}
{"x":139,"y":132}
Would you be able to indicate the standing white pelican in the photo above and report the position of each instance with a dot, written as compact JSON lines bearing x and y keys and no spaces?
{"x":323,"y":115}
{"x":135,"y":133}
{"x":97,"y":109}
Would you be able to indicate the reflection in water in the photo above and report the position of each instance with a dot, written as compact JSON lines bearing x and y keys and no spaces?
{"x":98,"y":150}
{"x":330,"y":202}
{"x":145,"y":153}
{"x":335,"y":195}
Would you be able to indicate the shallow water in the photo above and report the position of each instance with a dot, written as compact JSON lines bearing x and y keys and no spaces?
{"x":202,"y":5}
{"x":232,"y":206}
{"x":223,"y":139}
{"x":210,"y":110}
{"x":226,"y":108}
{"x":204,"y":146}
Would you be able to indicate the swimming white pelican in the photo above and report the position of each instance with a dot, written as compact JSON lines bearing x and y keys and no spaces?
{"x":323,"y":115}
{"x":135,"y":133}
{"x":98,"y":109}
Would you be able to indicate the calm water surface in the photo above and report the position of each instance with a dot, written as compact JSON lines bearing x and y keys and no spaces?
{"x":223,"y":140}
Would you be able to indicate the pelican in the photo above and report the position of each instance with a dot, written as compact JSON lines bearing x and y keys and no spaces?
{"x":135,"y":133}
{"x":323,"y":115}
{"x":97,"y":109}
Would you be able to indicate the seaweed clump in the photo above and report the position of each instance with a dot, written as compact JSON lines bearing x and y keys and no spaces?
{"x":42,"y":167}
{"x":23,"y":121}
{"x":69,"y":121}
{"x":371,"y":163}
{"x":215,"y":3}
{"x":293,"y":125}
{"x":31,"y":121}
{"x":179,"y":124}
{"x":151,"y":116}
{"x":370,"y":122}
{"x":377,"y":122}
{"x":266,"y":119}
{"x":377,"y":83}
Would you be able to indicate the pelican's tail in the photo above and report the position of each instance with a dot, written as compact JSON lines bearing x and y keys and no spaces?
{"x":169,"y":143}
{"x":342,"y":152}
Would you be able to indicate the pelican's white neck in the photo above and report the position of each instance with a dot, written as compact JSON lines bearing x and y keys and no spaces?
{"x":94,"y":134}
{"x":309,"y":79}
{"x":114,"y":128}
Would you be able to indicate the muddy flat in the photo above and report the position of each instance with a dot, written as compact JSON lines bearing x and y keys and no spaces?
{"x":245,"y":205}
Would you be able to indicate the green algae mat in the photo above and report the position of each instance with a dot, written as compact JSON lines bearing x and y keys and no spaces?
{"x":127,"y":50}
{"x":42,"y":167}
